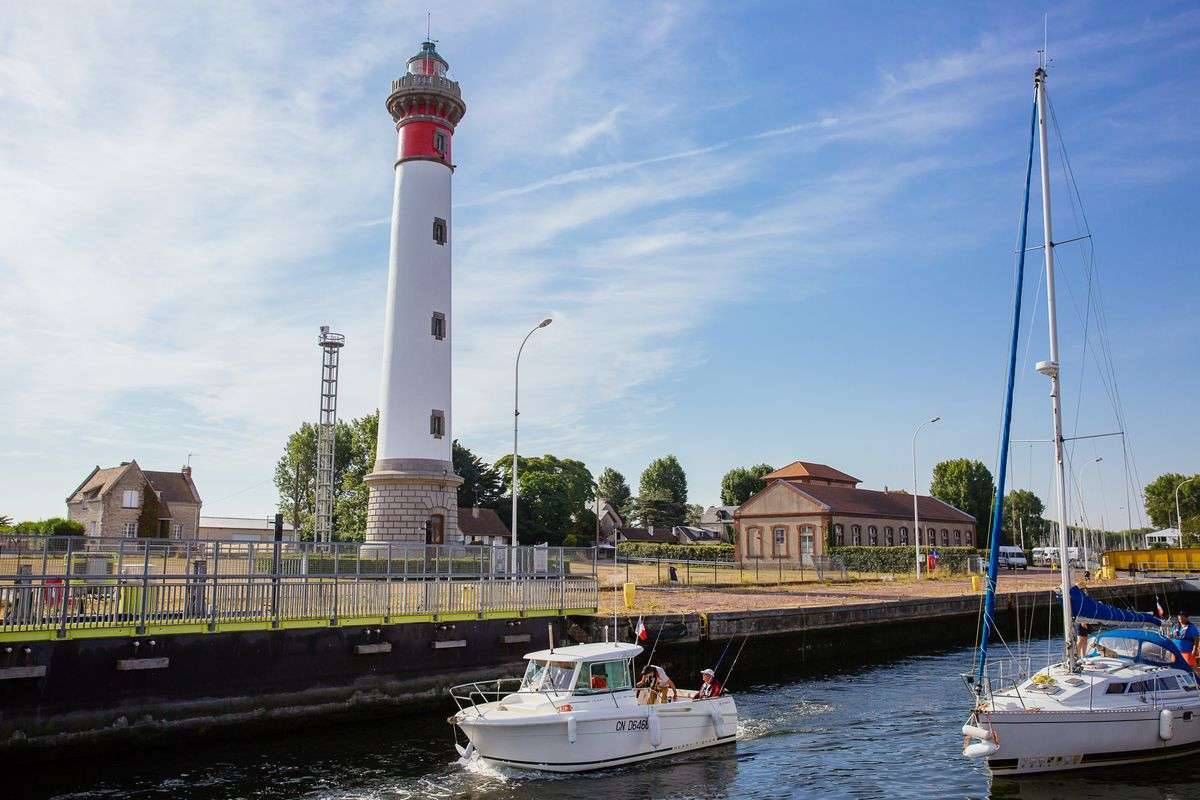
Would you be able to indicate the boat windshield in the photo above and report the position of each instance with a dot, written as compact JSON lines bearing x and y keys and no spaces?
{"x":548,"y":676}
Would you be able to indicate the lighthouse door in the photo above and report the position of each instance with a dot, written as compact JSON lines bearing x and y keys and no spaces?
{"x":435,"y":529}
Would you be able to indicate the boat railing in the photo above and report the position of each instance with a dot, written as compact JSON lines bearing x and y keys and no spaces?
{"x":476,"y":693}
{"x":1001,"y":675}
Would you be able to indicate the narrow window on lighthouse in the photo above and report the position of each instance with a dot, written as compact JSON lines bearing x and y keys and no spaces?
{"x":439,"y":142}
{"x":437,"y":424}
{"x":437,"y":327}
{"x":439,"y":230}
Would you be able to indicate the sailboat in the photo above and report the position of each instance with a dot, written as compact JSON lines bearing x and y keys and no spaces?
{"x":1127,"y":695}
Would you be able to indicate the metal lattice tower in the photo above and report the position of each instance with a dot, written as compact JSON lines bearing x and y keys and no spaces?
{"x":331,"y":345}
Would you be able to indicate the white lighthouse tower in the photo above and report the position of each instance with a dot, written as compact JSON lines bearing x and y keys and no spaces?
{"x":413,"y":488}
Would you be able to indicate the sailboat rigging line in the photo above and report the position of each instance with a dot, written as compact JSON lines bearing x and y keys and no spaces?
{"x":1059,"y":244}
{"x":996,"y":533}
{"x":717,"y":666}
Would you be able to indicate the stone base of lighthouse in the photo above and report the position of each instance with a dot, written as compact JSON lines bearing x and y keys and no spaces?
{"x":409,"y":500}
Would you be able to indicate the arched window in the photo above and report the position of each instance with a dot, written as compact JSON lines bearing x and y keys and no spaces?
{"x":754,"y":542}
{"x":957,"y":537}
{"x":839,"y":535}
{"x":889,"y":536}
{"x":872,"y":535}
{"x":970,"y":538}
{"x":945,"y":538}
{"x":855,"y":535}
{"x":903,"y":535}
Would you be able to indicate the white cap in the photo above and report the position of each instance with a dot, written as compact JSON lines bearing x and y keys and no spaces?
{"x":708,"y":672}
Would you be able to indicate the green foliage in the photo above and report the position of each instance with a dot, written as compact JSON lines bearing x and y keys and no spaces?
{"x":967,"y":485}
{"x":582,"y":530}
{"x":482,"y":484}
{"x":1160,"y":501}
{"x":899,"y":559}
{"x":692,"y":513}
{"x":54,"y":526}
{"x":611,"y":486}
{"x":662,"y":493}
{"x":5,"y":521}
{"x":676,"y":552}
{"x":555,"y":492}
{"x":742,"y":483}
{"x":149,"y":517}
{"x":350,"y":498}
{"x":1022,"y":508}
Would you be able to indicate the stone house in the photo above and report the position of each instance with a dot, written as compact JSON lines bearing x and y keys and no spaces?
{"x":806,"y":508}
{"x":127,"y":501}
{"x":719,"y":519}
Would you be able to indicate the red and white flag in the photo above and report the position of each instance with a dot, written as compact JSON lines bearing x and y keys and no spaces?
{"x":640,"y":631}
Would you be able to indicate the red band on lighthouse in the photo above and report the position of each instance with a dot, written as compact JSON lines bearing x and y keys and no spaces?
{"x":424,"y":139}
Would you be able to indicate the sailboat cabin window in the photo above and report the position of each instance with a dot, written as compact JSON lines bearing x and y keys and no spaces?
{"x":603,"y":676}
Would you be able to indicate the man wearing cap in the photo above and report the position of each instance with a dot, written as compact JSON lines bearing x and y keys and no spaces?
{"x":710,"y":688}
{"x":1185,"y":635}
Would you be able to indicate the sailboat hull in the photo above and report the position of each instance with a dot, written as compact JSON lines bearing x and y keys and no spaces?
{"x":1048,"y":741}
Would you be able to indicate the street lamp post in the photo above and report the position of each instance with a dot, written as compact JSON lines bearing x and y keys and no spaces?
{"x":916,"y":513}
{"x":516,"y":414}
{"x":1178,"y":516}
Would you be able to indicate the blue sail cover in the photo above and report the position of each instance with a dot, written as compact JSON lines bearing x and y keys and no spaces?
{"x":1085,"y":609}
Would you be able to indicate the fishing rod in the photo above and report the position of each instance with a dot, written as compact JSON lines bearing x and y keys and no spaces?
{"x":725,"y":685}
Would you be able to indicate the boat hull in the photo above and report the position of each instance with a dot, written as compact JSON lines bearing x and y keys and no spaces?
{"x":1048,"y":741}
{"x":603,"y":739}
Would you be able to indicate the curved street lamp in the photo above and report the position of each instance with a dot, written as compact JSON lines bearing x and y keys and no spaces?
{"x":916,"y":514}
{"x":516,"y":414}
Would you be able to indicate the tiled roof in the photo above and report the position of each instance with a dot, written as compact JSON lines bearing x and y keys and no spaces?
{"x":98,"y":481}
{"x":481,"y":522}
{"x":174,"y":487}
{"x":696,"y":534}
{"x":867,"y":502}
{"x":809,"y":469}
{"x":663,"y":534}
{"x":717,"y":514}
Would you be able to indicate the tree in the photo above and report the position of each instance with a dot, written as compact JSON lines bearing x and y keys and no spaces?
{"x":1160,"y":501}
{"x":662,"y":493}
{"x":482,"y":484}
{"x":149,"y":517}
{"x":5,"y":521}
{"x":742,"y":483}
{"x":611,"y":486}
{"x":1022,"y":515}
{"x":554,"y":494}
{"x":692,"y":514}
{"x":350,"y":497}
{"x":967,"y":485}
{"x":296,"y":476}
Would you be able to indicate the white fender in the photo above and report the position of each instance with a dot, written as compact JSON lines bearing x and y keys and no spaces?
{"x":571,"y":729}
{"x":980,"y":749}
{"x":714,"y":713}
{"x":1166,"y":724}
{"x":977,"y":733}
{"x":655,"y":728}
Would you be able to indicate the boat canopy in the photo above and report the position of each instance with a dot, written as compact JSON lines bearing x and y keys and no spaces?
{"x":598,"y":651}
{"x":1144,"y":647}
{"x":1085,"y":609}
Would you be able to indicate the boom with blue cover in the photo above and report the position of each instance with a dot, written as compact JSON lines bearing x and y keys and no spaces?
{"x":1085,"y":609}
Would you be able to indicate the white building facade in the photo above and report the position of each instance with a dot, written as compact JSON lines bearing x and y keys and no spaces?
{"x":413,"y":488}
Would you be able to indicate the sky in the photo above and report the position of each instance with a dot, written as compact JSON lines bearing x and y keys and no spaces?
{"x":765,"y":232}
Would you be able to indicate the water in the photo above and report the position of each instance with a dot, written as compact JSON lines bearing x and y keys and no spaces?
{"x":883,"y":731}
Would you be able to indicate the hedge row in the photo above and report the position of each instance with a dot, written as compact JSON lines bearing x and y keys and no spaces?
{"x":676,"y":552}
{"x":899,"y":559}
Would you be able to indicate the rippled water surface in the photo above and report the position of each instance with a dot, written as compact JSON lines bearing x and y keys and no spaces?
{"x":886,"y":731}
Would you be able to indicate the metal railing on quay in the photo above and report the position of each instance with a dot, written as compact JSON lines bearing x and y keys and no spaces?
{"x":48,"y":583}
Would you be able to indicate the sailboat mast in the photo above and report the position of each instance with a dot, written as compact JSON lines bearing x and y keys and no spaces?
{"x":1051,"y":369}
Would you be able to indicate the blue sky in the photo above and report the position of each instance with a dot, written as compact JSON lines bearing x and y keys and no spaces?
{"x":766,"y":232}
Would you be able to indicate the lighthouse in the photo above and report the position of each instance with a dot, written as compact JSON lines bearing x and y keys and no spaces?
{"x":413,"y":488}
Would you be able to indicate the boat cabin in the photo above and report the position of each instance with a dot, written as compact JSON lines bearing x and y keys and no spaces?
{"x":582,"y":669}
{"x":1138,"y":646}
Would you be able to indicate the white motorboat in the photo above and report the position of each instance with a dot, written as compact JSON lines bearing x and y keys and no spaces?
{"x":1129,"y":695}
{"x":576,"y":709}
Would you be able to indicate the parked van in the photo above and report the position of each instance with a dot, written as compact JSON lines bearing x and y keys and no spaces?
{"x":1013,"y":557}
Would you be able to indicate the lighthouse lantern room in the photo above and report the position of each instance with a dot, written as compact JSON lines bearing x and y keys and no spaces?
{"x":413,"y":488}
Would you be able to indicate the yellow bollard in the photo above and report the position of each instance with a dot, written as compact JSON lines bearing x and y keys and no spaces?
{"x":975,"y":583}
{"x":630,"y":591}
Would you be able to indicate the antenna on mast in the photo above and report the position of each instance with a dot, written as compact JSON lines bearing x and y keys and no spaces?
{"x":428,"y":25}
{"x":1044,"y":53}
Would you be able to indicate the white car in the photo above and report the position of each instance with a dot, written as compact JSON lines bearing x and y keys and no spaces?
{"x":1013,"y":557}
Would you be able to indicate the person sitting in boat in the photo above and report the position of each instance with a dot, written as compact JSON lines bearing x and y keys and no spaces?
{"x":1185,"y":635}
{"x":710,"y":687}
{"x":657,"y":684}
